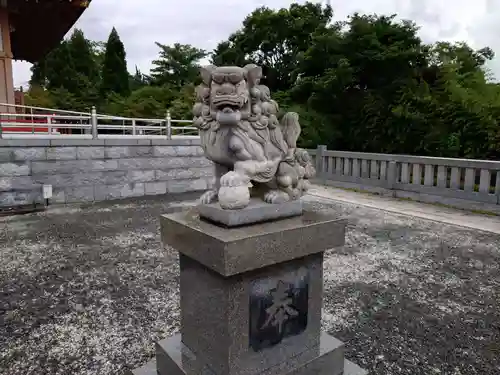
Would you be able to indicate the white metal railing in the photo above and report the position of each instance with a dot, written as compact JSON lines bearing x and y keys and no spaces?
{"x":40,"y":122}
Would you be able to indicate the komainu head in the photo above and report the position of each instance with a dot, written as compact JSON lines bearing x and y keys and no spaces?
{"x":226,"y":91}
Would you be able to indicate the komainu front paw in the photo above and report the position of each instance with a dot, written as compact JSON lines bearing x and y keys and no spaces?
{"x":295,"y":194}
{"x":208,"y":197}
{"x":276,"y":196}
{"x":304,"y":186}
{"x":233,"y":179}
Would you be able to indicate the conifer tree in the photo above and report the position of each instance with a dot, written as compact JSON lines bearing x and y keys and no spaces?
{"x":115,"y":77}
{"x":82,"y":52}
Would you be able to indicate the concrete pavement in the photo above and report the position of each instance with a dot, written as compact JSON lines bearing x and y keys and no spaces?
{"x":441,"y":214}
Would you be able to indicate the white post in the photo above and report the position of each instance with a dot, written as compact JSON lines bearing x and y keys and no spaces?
{"x":169,"y":126}
{"x":49,"y":125}
{"x":93,"y":122}
{"x":133,"y":127}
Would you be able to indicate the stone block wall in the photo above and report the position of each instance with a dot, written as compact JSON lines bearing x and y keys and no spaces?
{"x":96,"y":170}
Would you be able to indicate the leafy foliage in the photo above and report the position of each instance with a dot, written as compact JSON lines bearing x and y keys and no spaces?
{"x":274,"y":40}
{"x":365,"y":84}
{"x":177,"y":65}
{"x":115,"y":77}
{"x":70,"y":73}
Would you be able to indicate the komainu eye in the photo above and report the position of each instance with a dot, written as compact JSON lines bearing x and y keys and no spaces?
{"x":235,"y":78}
{"x":218,"y":78}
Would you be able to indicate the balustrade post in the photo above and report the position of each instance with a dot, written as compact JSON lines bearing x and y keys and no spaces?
{"x":391,"y":174}
{"x":93,"y":122}
{"x":169,"y":126}
{"x":134,"y":130}
{"x":320,"y":162}
{"x":497,"y":187}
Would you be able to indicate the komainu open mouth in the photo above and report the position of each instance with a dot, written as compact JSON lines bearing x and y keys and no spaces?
{"x":232,"y":102}
{"x":230,"y":108}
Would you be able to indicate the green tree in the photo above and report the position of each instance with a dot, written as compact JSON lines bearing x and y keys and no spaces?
{"x":146,"y":102}
{"x":138,"y":80}
{"x":177,"y":65}
{"x":60,"y":68}
{"x":378,"y":88}
{"x":115,"y":77}
{"x":72,"y":66}
{"x":99,"y":50}
{"x":64,"y":99}
{"x":181,"y":108}
{"x":38,"y":96}
{"x":228,"y":53}
{"x":38,"y":74}
{"x":464,"y":109}
{"x":357,"y":76}
{"x":83,"y":55}
{"x":86,"y":78}
{"x":274,"y":39}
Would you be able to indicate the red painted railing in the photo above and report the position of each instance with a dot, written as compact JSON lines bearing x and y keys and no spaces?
{"x":28,"y":128}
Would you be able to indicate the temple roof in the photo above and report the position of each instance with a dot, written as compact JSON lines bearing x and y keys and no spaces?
{"x":37,"y":26}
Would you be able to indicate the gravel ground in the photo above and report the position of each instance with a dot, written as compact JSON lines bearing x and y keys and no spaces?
{"x":87,"y":290}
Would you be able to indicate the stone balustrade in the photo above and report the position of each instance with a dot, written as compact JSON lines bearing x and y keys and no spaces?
{"x":464,"y":183}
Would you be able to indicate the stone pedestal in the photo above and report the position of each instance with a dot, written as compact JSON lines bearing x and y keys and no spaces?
{"x":251,"y":298}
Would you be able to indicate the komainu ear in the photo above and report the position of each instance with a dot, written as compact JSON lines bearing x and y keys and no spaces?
{"x":206,"y":73}
{"x":253,"y":74}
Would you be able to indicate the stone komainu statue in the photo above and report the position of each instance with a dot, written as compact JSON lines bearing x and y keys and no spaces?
{"x":240,"y":132}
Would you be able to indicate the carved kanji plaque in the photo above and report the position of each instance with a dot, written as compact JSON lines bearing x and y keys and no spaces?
{"x":278,"y":308}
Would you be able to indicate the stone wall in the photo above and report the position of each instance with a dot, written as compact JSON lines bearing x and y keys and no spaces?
{"x":96,"y":170}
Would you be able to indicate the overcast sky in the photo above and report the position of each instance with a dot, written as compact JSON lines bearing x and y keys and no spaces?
{"x":205,"y":23}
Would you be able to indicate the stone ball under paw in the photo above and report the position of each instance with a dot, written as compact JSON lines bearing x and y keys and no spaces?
{"x":234,"y":197}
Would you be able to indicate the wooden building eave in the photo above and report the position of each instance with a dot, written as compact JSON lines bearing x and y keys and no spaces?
{"x":38,"y":26}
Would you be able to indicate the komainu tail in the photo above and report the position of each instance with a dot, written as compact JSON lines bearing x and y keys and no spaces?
{"x":290,"y":128}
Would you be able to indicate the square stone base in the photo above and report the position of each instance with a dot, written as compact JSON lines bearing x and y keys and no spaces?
{"x":174,"y":358}
{"x":256,"y":212}
{"x":238,"y":250}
